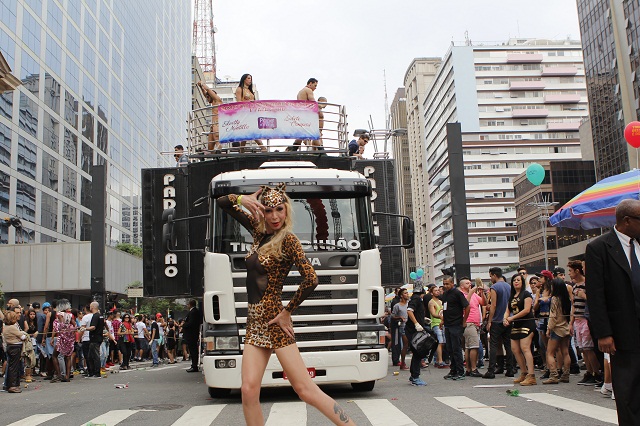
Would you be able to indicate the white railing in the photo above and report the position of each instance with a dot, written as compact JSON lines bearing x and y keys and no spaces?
{"x":201,"y":140}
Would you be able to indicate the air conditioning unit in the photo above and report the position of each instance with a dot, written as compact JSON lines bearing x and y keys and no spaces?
{"x":524,"y":123}
{"x":497,"y":95}
{"x":499,"y":109}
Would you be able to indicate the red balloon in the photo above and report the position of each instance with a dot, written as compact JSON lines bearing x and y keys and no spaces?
{"x":632,"y":134}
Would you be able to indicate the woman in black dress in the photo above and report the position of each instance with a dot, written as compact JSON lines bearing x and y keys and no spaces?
{"x":520,"y":315}
{"x":171,"y":342}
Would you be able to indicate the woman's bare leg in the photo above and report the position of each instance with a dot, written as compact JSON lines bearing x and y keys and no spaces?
{"x":254,"y":362}
{"x":525,"y":347}
{"x":551,"y":354}
{"x":517,"y":352}
{"x":306,"y":389}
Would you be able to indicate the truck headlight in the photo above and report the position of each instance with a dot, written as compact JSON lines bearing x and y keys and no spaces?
{"x":227,"y":343}
{"x":367,"y":337}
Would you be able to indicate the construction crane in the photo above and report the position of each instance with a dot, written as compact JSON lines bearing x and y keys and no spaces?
{"x":203,"y":45}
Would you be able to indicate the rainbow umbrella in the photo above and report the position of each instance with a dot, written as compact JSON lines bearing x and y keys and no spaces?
{"x":595,"y":207}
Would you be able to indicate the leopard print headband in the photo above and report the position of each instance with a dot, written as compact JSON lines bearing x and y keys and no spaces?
{"x":272,"y":197}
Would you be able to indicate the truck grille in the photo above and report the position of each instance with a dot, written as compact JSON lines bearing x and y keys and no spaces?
{"x":339,"y":302}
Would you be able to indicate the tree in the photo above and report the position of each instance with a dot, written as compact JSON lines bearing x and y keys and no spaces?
{"x":130,"y":248}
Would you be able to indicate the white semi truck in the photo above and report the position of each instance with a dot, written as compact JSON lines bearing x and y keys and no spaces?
{"x":337,"y":327}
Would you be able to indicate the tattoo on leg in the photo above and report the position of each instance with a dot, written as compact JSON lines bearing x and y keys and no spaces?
{"x":340,"y":412}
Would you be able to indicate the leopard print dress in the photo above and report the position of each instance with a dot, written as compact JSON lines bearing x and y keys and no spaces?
{"x":265,"y":279}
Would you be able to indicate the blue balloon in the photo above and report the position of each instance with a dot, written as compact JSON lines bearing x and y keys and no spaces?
{"x":413,"y":275}
{"x":420,"y":272}
{"x":535,"y":174}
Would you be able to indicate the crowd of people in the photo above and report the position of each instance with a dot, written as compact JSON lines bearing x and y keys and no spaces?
{"x":56,"y":342}
{"x":535,"y":322}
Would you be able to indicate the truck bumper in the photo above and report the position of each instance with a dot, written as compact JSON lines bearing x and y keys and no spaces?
{"x":331,"y":367}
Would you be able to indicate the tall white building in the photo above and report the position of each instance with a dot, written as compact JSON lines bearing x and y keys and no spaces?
{"x":398,"y":122}
{"x":417,"y":79}
{"x":517,"y":103}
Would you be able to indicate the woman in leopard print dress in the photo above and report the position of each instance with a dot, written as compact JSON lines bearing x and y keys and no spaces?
{"x":269,"y":326}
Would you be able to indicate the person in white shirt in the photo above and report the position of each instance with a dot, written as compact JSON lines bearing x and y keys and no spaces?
{"x":84,"y":323}
{"x":141,"y":337}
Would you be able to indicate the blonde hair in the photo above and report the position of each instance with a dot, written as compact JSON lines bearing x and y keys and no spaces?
{"x":273,"y":247}
{"x":10,"y":317}
{"x":479,"y":282}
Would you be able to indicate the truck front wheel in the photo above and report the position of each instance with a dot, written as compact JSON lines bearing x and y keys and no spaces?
{"x":362,"y":387}
{"x":220,"y":392}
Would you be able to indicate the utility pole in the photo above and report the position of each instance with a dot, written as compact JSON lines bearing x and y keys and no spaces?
{"x":543,"y":216}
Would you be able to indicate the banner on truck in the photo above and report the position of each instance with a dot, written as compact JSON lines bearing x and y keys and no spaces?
{"x":244,"y":121}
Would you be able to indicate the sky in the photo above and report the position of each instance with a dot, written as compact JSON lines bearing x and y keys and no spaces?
{"x":349,"y":45}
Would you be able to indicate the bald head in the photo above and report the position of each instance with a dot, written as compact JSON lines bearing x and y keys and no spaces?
{"x":95,"y":306}
{"x":628,"y":218}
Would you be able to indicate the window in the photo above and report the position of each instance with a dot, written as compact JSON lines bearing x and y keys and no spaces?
{"x":506,"y":180}
{"x":492,"y":239}
{"x":27,"y":152}
{"x":474,"y":254}
{"x":493,"y":254}
{"x":512,"y":238}
{"x":491,"y":223}
{"x":5,"y":146}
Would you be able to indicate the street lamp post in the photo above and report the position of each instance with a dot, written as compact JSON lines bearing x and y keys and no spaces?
{"x":544,"y":204}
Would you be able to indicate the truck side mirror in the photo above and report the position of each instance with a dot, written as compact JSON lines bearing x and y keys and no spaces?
{"x":168,"y":234}
{"x":408,"y":233}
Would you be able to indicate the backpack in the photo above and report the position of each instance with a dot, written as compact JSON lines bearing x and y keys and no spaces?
{"x":422,"y":342}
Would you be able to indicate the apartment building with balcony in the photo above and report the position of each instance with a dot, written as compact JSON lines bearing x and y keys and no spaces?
{"x":517,"y":102}
{"x":417,"y":80}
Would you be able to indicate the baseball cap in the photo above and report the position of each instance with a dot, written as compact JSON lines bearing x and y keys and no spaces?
{"x":418,"y":288}
{"x":545,"y":273}
{"x":558,"y":270}
{"x":158,"y":315}
{"x":46,"y":305}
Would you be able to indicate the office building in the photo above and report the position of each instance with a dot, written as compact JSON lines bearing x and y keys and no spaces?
{"x":610,"y":31}
{"x":103,"y":83}
{"x":534,"y":204}
{"x":400,"y":144}
{"x":515,"y":103}
{"x":417,"y":79}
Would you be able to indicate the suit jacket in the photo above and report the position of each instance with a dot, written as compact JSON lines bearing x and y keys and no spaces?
{"x":192,"y":323}
{"x":610,"y":297}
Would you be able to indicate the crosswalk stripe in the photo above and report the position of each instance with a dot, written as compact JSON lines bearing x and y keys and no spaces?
{"x":36,"y":419}
{"x":382,"y":412}
{"x":200,"y":415}
{"x":287,"y":413}
{"x":590,"y":410}
{"x":486,"y":416}
{"x":112,"y":418}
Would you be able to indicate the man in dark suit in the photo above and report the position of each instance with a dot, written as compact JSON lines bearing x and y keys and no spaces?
{"x":190,"y":333}
{"x":613,"y":286}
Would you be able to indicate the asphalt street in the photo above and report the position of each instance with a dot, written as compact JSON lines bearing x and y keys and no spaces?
{"x":168,"y":395}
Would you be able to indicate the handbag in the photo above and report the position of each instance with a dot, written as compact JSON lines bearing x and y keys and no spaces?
{"x":28,"y":353}
{"x":422,"y":342}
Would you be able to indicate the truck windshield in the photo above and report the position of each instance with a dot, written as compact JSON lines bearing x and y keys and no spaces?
{"x":320,"y":223}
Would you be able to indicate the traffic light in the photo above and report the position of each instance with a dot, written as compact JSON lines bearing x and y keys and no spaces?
{"x":448,"y":271}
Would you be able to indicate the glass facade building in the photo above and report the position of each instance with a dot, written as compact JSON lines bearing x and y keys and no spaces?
{"x":104,"y":82}
{"x":610,"y":31}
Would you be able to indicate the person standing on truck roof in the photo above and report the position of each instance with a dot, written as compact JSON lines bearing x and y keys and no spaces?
{"x":269,"y":325}
{"x":244,"y":93}
{"x":306,"y":94}
{"x":212,"y":97}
